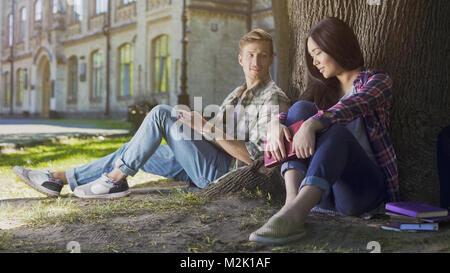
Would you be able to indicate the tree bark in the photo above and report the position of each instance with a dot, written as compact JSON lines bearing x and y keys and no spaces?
{"x":251,"y":179}
{"x":409,"y":39}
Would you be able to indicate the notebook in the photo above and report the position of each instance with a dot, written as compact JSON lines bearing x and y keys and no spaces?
{"x":271,"y":162}
{"x":416,"y":209}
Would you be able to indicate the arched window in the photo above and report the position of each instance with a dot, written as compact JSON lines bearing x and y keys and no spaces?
{"x":161,"y":64}
{"x":7,"y":84}
{"x":10,"y":29}
{"x":126,"y":70}
{"x":20,"y":86}
{"x":38,"y":10}
{"x":72,"y":79}
{"x":101,"y":6}
{"x":97,"y":74}
{"x":23,"y":23}
{"x":77,"y":11}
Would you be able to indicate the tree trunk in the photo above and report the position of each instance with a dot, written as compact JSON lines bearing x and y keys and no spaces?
{"x":409,"y":39}
{"x":251,"y":179}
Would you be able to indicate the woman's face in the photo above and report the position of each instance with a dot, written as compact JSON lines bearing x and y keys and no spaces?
{"x":324,"y":63}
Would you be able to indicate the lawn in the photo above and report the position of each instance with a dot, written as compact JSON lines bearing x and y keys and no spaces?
{"x":69,"y":153}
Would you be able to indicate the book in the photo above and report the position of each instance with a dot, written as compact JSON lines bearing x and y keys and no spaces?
{"x":411,"y":227}
{"x":416,"y":209}
{"x":422,"y":226}
{"x":271,"y":162}
{"x":408,"y":219}
{"x":394,"y":217}
{"x":394,"y":227}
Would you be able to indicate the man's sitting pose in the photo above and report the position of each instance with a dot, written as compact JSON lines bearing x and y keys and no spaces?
{"x":188,"y":156}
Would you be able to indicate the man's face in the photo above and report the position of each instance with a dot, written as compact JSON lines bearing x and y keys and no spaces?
{"x":256,"y":59}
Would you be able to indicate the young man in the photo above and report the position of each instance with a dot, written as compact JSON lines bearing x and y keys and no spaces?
{"x":193,"y":159}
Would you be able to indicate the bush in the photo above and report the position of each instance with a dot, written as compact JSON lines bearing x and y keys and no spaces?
{"x":137,"y":113}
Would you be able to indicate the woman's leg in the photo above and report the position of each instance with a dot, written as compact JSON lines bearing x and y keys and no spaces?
{"x":339,"y":166}
{"x":301,"y":110}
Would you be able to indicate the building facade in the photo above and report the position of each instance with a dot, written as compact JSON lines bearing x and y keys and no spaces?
{"x":54,"y":53}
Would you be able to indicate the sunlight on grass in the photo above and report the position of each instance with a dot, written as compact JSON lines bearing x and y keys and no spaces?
{"x":58,"y":157}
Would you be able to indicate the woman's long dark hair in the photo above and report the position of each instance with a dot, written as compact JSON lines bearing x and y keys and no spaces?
{"x":338,"y":40}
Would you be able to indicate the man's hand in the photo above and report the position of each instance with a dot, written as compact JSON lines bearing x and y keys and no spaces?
{"x":276,"y":135}
{"x":192,"y":119}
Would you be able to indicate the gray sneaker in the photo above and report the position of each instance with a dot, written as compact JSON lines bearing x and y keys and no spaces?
{"x":103,"y":188}
{"x":43,"y":182}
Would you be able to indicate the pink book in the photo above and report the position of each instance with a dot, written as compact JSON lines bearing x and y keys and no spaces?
{"x":416,"y":209}
{"x":271,"y":162}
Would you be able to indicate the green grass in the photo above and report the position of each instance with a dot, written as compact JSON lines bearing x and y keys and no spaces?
{"x":56,"y":157}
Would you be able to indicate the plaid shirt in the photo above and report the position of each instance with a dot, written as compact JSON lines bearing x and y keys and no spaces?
{"x":372,"y":102}
{"x":260,"y":104}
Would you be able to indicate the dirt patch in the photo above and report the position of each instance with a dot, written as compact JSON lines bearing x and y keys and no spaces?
{"x":154,"y":221}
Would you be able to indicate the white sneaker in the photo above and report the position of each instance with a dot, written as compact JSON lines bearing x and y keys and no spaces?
{"x":103,"y":188}
{"x":43,"y":182}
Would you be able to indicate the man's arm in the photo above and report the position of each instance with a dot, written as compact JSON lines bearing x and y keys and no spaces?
{"x":235,"y":148}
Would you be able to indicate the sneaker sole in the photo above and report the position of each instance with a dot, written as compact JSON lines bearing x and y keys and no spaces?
{"x":105,"y":196}
{"x":42,"y":190}
{"x":276,"y":241}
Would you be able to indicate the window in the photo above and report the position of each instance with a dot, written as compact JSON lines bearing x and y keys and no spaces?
{"x":38,"y":10}
{"x":10,"y":30}
{"x":97,"y":76}
{"x":161,"y":64}
{"x":20,"y":86}
{"x":23,"y":22}
{"x":77,"y":11}
{"x":57,"y":6}
{"x":126,"y":2}
{"x":7,"y":96}
{"x":72,"y":88}
{"x":101,"y":6}
{"x":126,"y":70}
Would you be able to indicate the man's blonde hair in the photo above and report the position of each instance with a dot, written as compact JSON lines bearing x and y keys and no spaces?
{"x":257,"y":35}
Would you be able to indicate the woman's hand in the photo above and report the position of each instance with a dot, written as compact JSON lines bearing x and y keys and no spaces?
{"x":305,"y":139}
{"x":276,"y":136}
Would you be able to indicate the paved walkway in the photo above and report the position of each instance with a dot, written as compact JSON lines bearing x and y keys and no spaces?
{"x":22,"y":132}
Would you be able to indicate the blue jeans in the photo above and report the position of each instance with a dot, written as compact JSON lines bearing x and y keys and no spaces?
{"x":183,"y":159}
{"x":352,"y":184}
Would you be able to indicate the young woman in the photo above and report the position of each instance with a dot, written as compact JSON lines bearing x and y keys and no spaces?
{"x":345,"y":159}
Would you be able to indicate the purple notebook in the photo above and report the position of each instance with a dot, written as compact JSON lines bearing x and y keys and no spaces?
{"x":416,"y":209}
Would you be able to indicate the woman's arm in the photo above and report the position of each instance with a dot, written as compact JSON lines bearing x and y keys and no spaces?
{"x":375,"y":93}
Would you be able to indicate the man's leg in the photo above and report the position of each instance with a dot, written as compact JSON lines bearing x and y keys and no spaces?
{"x":184,"y":157}
{"x":200,"y":159}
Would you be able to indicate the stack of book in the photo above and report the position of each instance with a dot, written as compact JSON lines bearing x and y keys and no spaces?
{"x":414,"y":216}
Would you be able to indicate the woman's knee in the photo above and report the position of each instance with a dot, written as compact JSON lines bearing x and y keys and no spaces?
{"x":302,"y":110}
{"x":338,"y":131}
